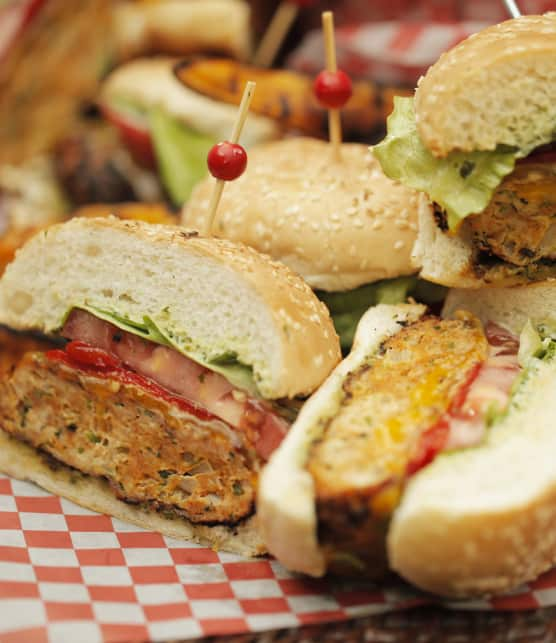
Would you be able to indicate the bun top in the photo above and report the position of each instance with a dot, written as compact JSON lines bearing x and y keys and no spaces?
{"x":339,"y":224}
{"x":496,"y":87}
{"x":212,"y":298}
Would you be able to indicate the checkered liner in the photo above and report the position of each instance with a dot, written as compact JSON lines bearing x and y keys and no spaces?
{"x":68,"y":574}
{"x":389,"y":51}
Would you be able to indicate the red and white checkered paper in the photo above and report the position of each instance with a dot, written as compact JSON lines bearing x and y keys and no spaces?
{"x":390,"y":52}
{"x":68,"y":574}
{"x":397,"y":52}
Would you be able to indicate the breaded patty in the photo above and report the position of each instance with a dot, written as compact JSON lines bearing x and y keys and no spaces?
{"x":519,"y":224}
{"x":150,"y":450}
{"x":361,"y":462}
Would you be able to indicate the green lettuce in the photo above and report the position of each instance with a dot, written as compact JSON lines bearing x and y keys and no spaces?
{"x":462,"y":183}
{"x":181,"y":154}
{"x":238,"y":374}
{"x":537,"y":341}
{"x":347,"y":307}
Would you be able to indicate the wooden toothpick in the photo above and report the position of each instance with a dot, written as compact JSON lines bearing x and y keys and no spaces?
{"x":275,"y":34}
{"x":334,"y":118}
{"x":236,"y":133}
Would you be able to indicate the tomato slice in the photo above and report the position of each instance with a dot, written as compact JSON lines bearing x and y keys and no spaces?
{"x":86,"y":355}
{"x":263,"y":428}
{"x":136,"y":137}
{"x":431,"y":443}
{"x":102,"y":364}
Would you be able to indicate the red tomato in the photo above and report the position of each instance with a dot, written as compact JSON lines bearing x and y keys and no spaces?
{"x":431,"y":443}
{"x":333,"y":89}
{"x":136,"y":137}
{"x":227,"y":161}
{"x":87,"y":355}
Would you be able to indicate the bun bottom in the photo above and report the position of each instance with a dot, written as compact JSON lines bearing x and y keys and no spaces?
{"x":451,"y":260}
{"x":480,"y":521}
{"x":23,"y":462}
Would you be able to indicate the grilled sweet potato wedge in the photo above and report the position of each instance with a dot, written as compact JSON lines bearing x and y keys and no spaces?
{"x":287,"y":96}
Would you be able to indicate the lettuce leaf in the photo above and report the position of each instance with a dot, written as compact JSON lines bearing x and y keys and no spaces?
{"x":181,"y":154}
{"x":238,"y":374}
{"x":462,"y":183}
{"x":537,"y":341}
{"x":347,"y":307}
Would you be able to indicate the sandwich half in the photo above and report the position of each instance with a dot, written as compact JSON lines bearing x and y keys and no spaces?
{"x":479,"y":139}
{"x":183,"y":360}
{"x":428,"y":451}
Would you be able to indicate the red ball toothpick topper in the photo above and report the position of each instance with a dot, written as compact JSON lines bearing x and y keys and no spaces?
{"x":333,"y":89}
{"x":227,"y":161}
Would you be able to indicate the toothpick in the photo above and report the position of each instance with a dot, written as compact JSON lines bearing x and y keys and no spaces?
{"x":275,"y":34}
{"x":334,"y":118}
{"x":236,"y":133}
{"x":512,"y":8}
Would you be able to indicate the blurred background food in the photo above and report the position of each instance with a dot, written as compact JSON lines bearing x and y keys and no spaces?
{"x":182,"y":28}
{"x":118,"y":101}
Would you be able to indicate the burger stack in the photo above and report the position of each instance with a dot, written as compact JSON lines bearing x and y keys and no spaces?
{"x":249,"y":433}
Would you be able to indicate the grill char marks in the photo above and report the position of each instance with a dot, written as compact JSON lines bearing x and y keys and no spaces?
{"x":149,"y":450}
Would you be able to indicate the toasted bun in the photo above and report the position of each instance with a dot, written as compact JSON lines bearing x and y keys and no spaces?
{"x":151,"y":82}
{"x":286,"y":502}
{"x":444,"y":258}
{"x":481,"y":521}
{"x":339,"y":224}
{"x":211,"y":296}
{"x":181,"y":28}
{"x":496,"y":87}
{"x":509,"y":307}
{"x":25,"y":463}
{"x":451,"y":260}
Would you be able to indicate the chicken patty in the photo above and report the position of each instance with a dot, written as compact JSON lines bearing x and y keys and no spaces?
{"x":519,"y":224}
{"x":365,"y":454}
{"x":150,"y":450}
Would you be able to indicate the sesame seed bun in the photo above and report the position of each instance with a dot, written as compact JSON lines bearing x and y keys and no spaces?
{"x":496,"y":87}
{"x":213,"y":297}
{"x":339,"y":224}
